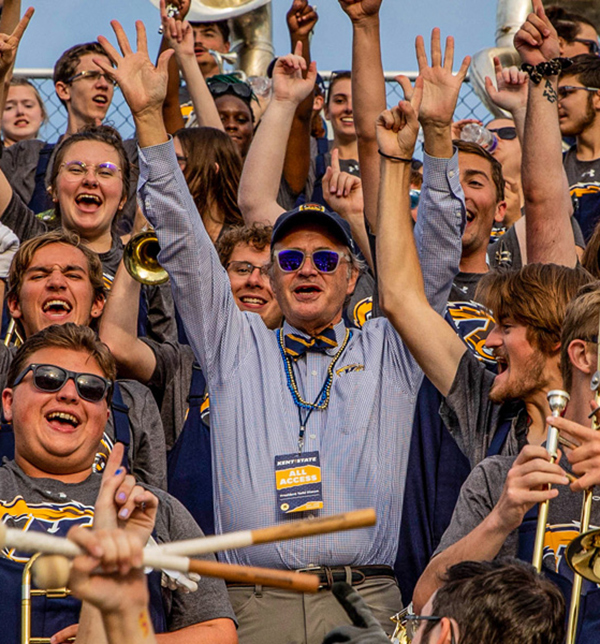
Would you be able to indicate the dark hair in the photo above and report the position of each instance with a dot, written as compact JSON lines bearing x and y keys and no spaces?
{"x":65,"y":66}
{"x":212,"y":171}
{"x":497,"y":177}
{"x":256,"y":235}
{"x":333,"y":79}
{"x":500,"y":601}
{"x":74,"y":337}
{"x":586,"y":68}
{"x":221,"y":25}
{"x":567,"y":24}
{"x":24,"y":256}
{"x":102,"y":134}
{"x":536,"y":296}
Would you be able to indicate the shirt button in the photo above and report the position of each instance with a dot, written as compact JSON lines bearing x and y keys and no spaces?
{"x":313,"y":436}
{"x":313,"y":372}
{"x":451,"y":173}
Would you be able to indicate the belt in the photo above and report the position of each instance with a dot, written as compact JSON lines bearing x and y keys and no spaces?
{"x":330,"y":574}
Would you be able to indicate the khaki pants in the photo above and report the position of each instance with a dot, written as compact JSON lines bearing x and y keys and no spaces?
{"x":275,"y":616}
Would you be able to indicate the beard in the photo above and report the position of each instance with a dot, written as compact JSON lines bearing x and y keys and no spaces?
{"x":523,"y":385}
{"x":583,"y":123}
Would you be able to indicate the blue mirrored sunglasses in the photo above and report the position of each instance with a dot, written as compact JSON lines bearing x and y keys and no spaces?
{"x":325,"y":261}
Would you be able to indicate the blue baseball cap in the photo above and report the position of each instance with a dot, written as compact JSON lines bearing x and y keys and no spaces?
{"x":313,"y":213}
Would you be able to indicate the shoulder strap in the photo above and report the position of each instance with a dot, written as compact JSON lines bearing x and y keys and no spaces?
{"x":120,"y":414}
{"x":40,"y":200}
{"x":500,"y":437}
{"x":197,"y":386}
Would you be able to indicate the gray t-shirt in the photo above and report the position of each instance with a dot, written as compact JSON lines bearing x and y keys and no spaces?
{"x":473,"y":419}
{"x":482,"y":491}
{"x":53,"y":506}
{"x":170,"y":384}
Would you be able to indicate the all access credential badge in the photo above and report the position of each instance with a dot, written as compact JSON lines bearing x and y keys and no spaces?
{"x":298,"y":482}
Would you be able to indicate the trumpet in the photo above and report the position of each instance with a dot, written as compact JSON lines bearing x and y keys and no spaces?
{"x":140,"y":257}
{"x":557,"y":400}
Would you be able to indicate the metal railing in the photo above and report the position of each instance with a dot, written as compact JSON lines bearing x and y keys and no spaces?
{"x":469,"y":105}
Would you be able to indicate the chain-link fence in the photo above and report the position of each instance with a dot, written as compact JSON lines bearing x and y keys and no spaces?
{"x":469,"y":105}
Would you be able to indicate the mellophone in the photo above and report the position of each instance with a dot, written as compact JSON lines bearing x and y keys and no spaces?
{"x":53,"y":571}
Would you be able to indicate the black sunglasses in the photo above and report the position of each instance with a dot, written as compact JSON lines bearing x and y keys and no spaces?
{"x":593,"y":45}
{"x":325,"y":261}
{"x":507,"y":133}
{"x":50,"y":378}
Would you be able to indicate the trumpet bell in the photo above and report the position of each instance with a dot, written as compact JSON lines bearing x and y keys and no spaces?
{"x":140,"y":257}
{"x":583,"y":555}
{"x":211,"y":10}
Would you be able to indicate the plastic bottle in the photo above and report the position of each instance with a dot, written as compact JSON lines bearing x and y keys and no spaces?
{"x":475,"y":133}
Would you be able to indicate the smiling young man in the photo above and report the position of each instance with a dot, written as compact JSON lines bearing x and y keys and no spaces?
{"x":57,"y":399}
{"x":343,"y":408}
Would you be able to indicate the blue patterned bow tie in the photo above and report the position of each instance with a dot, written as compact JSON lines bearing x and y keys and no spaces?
{"x":296,"y":345}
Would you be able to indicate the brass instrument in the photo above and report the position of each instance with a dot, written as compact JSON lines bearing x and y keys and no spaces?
{"x":580,"y":554}
{"x":26,"y":594}
{"x":12,"y":331}
{"x":251,"y":29}
{"x":140,"y":259}
{"x":557,"y":400}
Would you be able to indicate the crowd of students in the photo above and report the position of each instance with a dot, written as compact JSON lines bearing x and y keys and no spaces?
{"x":343,"y":327}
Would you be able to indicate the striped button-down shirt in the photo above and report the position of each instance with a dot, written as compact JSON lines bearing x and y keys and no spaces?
{"x":363,"y":436}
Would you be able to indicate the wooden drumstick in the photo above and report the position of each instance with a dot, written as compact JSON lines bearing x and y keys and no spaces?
{"x":51,"y":571}
{"x":281,"y":532}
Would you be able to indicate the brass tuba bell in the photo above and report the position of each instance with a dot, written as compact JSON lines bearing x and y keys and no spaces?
{"x":583,"y":555}
{"x":140,"y":257}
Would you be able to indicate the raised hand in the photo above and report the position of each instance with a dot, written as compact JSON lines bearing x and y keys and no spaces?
{"x":121,"y":503}
{"x":440,"y":86}
{"x":358,"y":10}
{"x":537,"y":41}
{"x":177,"y":33}
{"x":526,"y":484}
{"x":144,"y":86}
{"x":10,"y":43}
{"x":288,"y":81}
{"x":343,"y":191}
{"x":397,"y":129}
{"x":511,"y":94}
{"x":301,"y":18}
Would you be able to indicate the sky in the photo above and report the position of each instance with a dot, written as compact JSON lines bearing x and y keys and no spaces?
{"x":59,"y":24}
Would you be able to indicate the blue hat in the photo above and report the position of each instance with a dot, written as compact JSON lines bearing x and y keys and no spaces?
{"x":313,"y":213}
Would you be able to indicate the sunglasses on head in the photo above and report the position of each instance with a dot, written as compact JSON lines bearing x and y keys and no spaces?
{"x":325,"y":261}
{"x":241,"y":90}
{"x":50,"y":378}
{"x":507,"y":133}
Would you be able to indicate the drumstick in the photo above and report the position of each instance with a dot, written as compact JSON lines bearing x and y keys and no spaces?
{"x":281,"y":532}
{"x":53,"y":574}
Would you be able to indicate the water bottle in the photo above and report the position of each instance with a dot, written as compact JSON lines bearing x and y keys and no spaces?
{"x":475,"y":133}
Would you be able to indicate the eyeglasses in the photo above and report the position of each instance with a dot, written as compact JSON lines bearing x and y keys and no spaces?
{"x":566,"y":90}
{"x":325,"y":261}
{"x":415,"y":195}
{"x":220,"y":87}
{"x":104,"y":172}
{"x":245,"y":269}
{"x":593,"y":45}
{"x":92,"y":75}
{"x":507,"y":133}
{"x":408,"y":625}
{"x":50,"y":378}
